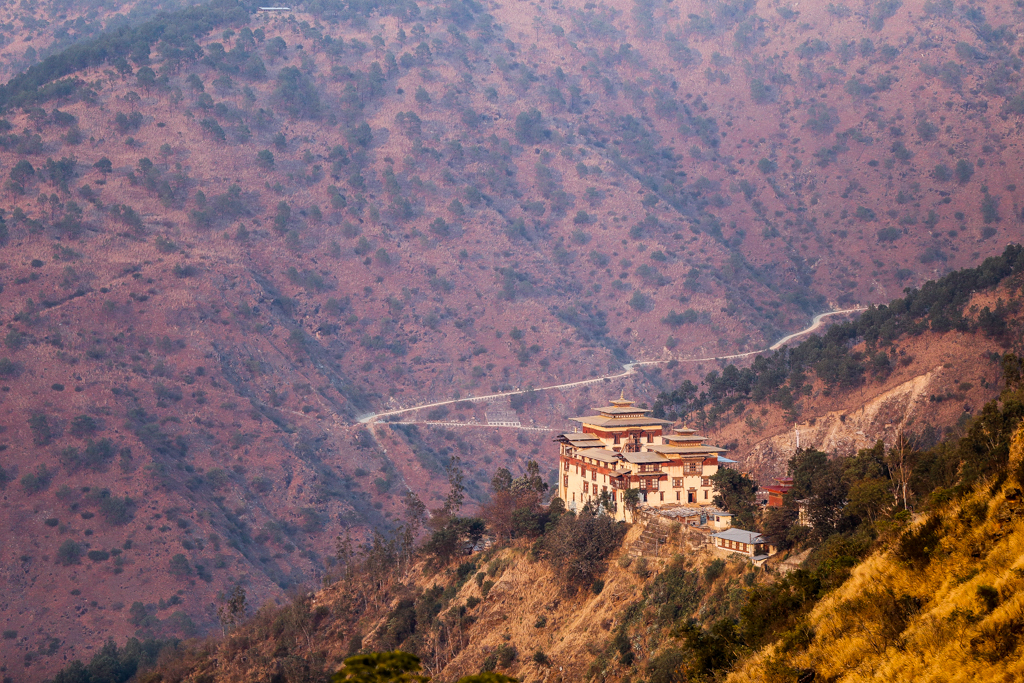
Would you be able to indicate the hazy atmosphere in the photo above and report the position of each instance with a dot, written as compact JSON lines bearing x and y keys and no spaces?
{"x":323,"y":324}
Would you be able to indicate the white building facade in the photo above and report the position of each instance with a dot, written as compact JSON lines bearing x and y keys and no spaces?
{"x":623,"y":447}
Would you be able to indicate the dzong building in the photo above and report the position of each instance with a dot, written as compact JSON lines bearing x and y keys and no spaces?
{"x":623,"y":447}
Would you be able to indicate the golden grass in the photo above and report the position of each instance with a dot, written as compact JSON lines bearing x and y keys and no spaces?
{"x":953,"y":636}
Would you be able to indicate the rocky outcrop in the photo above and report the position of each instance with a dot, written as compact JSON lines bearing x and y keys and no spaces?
{"x":844,"y":432}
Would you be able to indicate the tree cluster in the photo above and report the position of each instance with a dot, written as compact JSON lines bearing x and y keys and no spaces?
{"x":782,"y":377}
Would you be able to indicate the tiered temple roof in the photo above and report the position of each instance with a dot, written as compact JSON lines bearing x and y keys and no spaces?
{"x":620,"y":414}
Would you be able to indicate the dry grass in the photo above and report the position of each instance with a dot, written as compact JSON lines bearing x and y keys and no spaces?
{"x":954,"y":635}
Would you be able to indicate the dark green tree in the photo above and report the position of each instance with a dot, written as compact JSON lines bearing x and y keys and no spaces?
{"x":265,"y":159}
{"x":734,"y":491}
{"x":806,"y":465}
{"x":380,"y":667}
{"x":530,"y":127}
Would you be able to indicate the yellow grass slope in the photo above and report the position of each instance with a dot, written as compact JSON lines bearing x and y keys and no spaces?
{"x":958,"y":618}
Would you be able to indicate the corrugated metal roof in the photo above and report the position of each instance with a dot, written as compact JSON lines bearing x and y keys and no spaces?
{"x":701,"y":449}
{"x":599,"y":421}
{"x":740,"y":536}
{"x":679,"y":437}
{"x":696,"y":451}
{"x":619,"y":410}
{"x":602,"y":454}
{"x":644,"y":457}
{"x":579,"y":436}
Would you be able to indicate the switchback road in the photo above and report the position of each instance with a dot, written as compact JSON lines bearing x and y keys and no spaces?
{"x":627,"y":369}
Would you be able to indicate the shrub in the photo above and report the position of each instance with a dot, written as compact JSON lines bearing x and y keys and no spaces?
{"x":540,"y":658}
{"x":578,"y":546}
{"x":34,"y":482}
{"x":864,"y":213}
{"x":714,"y":570}
{"x":597,"y":586}
{"x":541,"y":622}
{"x":638,"y":301}
{"x":640,"y":568}
{"x":42,"y":432}
{"x":506,"y":654}
{"x":964,"y":171}
{"x":265,"y":159}
{"x":440,"y":227}
{"x":989,"y":597}
{"x":889,"y":234}
{"x":674,"y":319}
{"x":9,"y":368}
{"x":179,"y":567}
{"x":530,"y":128}
{"x":69,"y":553}
{"x":663,"y":668}
{"x":51,"y":522}
{"x":83,"y":425}
{"x":916,"y":546}
{"x":98,"y":555}
{"x":989,"y":209}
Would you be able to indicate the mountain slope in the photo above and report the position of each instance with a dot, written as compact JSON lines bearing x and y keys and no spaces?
{"x":227,"y":235}
{"x":944,"y":603}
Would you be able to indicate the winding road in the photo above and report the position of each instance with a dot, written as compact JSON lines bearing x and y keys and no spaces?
{"x":627,"y":370}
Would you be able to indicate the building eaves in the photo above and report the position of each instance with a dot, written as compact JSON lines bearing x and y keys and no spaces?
{"x":643,"y":458}
{"x":618,"y":422}
{"x":600,"y":454}
{"x":740,"y":536}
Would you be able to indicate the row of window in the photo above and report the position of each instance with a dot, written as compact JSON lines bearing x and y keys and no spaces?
{"x":587,"y":490}
{"x":733,"y":545}
{"x":613,"y":507}
{"x":645,"y":485}
{"x":635,"y":438}
{"x":688,"y":468}
{"x":677,"y":482}
{"x":691,"y":496}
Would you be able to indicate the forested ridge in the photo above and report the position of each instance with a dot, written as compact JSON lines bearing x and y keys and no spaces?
{"x":177,"y":32}
{"x":781,"y":378}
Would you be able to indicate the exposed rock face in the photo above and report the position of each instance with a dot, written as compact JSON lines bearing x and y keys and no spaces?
{"x":844,"y":432}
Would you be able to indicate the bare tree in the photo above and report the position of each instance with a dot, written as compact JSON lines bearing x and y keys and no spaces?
{"x":898,"y":459}
{"x":232,"y":612}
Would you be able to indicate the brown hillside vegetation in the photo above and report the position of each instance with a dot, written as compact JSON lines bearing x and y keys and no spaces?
{"x":944,"y":604}
{"x":502,"y":603}
{"x":934,"y":601}
{"x":221,"y":246}
{"x":609,"y":601}
{"x":938,"y":380}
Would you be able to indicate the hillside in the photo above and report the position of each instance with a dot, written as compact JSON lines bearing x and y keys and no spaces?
{"x":917,"y":368}
{"x":227,"y":235}
{"x":943,"y":603}
{"x":887,"y":596}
